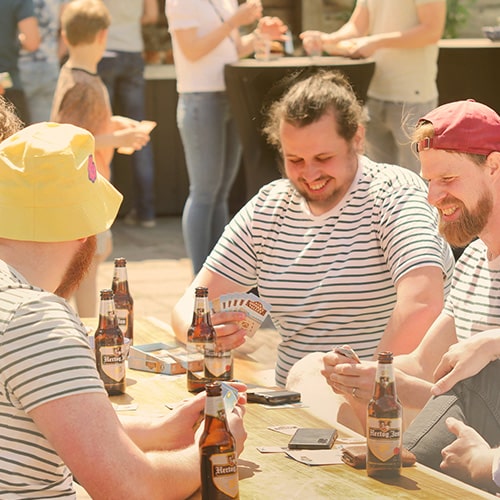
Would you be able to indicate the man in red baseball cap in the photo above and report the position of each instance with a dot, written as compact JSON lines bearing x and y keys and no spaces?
{"x":459,"y":149}
{"x":457,"y":363}
{"x":448,"y":140}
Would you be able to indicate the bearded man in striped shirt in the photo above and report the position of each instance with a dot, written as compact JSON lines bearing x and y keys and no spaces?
{"x":345,"y":250}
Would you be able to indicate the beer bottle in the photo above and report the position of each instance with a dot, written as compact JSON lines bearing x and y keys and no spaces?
{"x":109,"y":348}
{"x":202,"y":349}
{"x":384,"y":432}
{"x":124,"y":303}
{"x":219,"y":467}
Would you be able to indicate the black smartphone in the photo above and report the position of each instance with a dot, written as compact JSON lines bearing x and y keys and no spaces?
{"x":273,"y":397}
{"x":307,"y":438}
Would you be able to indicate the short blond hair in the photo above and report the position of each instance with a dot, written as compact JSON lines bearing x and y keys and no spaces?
{"x":82,"y":20}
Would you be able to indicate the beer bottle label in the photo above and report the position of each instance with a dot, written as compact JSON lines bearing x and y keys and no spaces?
{"x":113,"y":361}
{"x":384,"y":437}
{"x":214,"y":407}
{"x":123,"y":317}
{"x":217,"y":363}
{"x":225,"y":473}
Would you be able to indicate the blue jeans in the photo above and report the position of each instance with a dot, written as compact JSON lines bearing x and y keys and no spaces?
{"x":389,"y":129}
{"x":39,"y":80}
{"x":475,"y":401}
{"x":213,"y":151}
{"x":123,"y":75}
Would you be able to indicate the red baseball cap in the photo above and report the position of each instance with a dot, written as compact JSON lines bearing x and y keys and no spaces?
{"x":463,"y":126}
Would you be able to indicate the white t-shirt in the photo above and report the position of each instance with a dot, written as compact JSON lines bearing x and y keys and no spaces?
{"x":207,"y":73}
{"x":401,"y":75}
{"x":124,"y":33}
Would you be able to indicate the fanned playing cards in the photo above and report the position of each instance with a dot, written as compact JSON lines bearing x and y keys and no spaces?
{"x":254,"y":307}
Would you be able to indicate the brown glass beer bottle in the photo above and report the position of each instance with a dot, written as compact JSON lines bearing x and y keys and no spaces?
{"x":219,"y":467}
{"x":205,"y":362}
{"x":124,"y":303}
{"x":109,"y":348}
{"x":384,"y":423}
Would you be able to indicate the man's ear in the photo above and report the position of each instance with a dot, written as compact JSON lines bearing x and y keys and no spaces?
{"x":358,"y":140}
{"x":493,"y":164}
{"x":102,"y":35}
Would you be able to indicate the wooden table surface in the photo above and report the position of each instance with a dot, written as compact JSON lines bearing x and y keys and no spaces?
{"x":274,"y":475}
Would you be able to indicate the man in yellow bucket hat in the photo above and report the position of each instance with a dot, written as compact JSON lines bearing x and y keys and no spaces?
{"x":57,"y":420}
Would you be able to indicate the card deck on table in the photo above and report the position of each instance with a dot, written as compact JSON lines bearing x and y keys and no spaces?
{"x":254,"y":307}
{"x":306,"y":438}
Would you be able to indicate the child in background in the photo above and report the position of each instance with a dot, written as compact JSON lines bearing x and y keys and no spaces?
{"x":81,"y":99}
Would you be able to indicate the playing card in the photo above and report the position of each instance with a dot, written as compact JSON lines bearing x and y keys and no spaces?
{"x":215,"y":305}
{"x":272,"y":449}
{"x":229,"y":396}
{"x":254,"y":307}
{"x":317,"y":457}
{"x":146,"y":126}
{"x":289,"y":430}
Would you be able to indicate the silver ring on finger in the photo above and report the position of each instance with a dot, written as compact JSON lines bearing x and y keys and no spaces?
{"x":354,"y":389}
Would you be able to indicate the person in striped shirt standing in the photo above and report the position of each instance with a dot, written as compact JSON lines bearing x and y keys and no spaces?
{"x":345,"y":250}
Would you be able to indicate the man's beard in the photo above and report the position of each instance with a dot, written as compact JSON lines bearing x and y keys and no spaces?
{"x":461,"y":232}
{"x":77,"y":268}
{"x":333,"y":197}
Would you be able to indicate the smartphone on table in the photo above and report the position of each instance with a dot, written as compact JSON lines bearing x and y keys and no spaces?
{"x":307,"y":438}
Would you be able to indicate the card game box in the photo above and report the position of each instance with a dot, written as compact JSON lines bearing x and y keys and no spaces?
{"x":162,"y":358}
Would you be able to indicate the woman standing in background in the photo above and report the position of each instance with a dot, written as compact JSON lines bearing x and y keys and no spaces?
{"x":122,"y":71}
{"x":205,"y":38}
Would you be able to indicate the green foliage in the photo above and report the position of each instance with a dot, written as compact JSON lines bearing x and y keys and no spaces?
{"x":457,"y":13}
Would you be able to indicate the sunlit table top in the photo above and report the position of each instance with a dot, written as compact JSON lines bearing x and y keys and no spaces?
{"x":274,"y":475}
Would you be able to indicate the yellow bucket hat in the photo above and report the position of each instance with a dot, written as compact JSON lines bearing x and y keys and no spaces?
{"x":50,"y":189}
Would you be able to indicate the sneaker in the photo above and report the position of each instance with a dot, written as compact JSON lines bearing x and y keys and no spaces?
{"x":131,"y":219}
{"x":150,"y":223}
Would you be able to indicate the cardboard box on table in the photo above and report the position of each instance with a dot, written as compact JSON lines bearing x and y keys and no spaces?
{"x":162,"y":358}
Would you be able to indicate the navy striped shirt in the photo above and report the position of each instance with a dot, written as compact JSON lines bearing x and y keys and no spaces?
{"x":330,"y":279}
{"x":474,"y":300}
{"x":44,"y":355}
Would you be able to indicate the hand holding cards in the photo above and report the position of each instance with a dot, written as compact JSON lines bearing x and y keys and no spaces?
{"x":348,"y":352}
{"x":229,"y":396}
{"x":254,"y":307}
{"x":146,"y":126}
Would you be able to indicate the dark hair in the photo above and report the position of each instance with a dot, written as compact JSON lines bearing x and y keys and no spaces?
{"x":10,"y":123}
{"x":311,"y":98}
